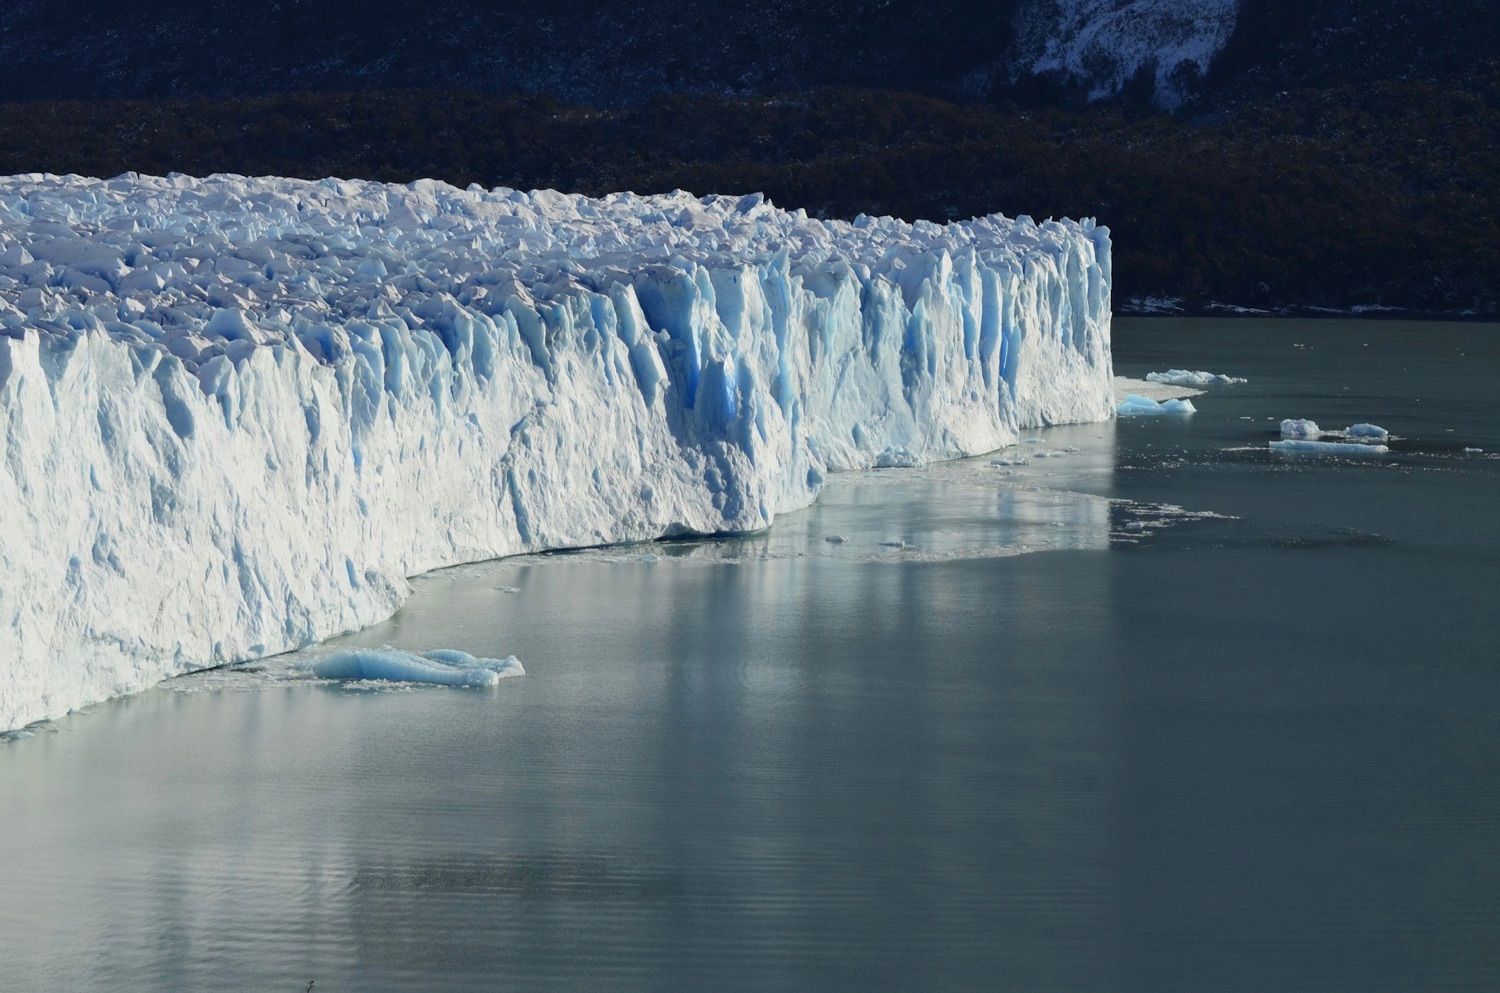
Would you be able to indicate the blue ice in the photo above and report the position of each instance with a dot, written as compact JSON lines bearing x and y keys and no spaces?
{"x":1135,"y":404}
{"x":445,"y":666}
{"x":1327,"y":447}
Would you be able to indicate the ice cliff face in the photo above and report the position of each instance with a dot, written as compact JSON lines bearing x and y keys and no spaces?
{"x":1103,"y":44}
{"x":236,"y":413}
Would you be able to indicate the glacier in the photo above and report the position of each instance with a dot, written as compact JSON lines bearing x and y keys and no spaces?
{"x":237,"y":413}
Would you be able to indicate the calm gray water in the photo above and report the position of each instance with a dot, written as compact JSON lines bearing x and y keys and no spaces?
{"x":1251,"y":744}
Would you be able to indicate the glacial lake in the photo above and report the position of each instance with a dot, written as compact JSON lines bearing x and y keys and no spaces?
{"x":1156,"y":710}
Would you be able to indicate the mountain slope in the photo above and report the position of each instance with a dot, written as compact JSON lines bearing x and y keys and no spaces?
{"x":616,"y":52}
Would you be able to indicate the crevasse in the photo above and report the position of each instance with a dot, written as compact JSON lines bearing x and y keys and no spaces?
{"x":237,"y":413}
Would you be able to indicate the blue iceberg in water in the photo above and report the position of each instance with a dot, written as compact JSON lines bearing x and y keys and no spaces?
{"x":1327,"y":447}
{"x":445,"y":666}
{"x":1135,"y":404}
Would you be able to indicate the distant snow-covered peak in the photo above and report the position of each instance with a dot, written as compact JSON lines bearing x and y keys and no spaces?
{"x":1103,"y":44}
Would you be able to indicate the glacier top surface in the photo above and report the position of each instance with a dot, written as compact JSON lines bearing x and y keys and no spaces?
{"x":143,"y":255}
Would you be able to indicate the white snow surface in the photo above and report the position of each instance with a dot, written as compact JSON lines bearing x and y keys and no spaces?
{"x":1187,"y":377}
{"x":238,"y":413}
{"x":1103,"y":44}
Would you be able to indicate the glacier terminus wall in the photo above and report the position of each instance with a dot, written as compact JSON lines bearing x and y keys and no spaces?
{"x":236,"y":414}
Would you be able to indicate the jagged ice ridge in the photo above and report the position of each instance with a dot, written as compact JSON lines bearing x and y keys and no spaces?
{"x":237,"y":413}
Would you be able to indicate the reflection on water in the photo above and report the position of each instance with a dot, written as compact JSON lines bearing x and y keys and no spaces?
{"x":1233,"y":730}
{"x":952,"y":510}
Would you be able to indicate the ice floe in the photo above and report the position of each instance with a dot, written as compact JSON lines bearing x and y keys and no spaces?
{"x":446,"y":667}
{"x":1135,"y":405}
{"x":1185,"y":377}
{"x":1302,"y":446}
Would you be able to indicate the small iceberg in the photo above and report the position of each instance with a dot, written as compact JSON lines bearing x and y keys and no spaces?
{"x":1136,"y":404}
{"x":1372,"y":432}
{"x":445,"y":667}
{"x":1298,"y":428}
{"x":1305,"y":429}
{"x":1186,"y":377}
{"x":1302,"y":446}
{"x":896,"y":457}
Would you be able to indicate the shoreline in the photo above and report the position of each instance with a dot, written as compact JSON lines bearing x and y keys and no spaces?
{"x":1302,"y":312}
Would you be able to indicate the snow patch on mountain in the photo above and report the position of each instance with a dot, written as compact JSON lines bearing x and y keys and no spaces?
{"x":1103,"y":44}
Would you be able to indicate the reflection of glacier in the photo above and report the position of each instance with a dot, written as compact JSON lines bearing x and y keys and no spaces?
{"x":943,"y":512}
{"x":237,"y":413}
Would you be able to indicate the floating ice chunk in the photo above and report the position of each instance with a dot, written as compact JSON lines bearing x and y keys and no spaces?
{"x":1010,"y":460}
{"x":1135,"y":404}
{"x":508,"y":666}
{"x":1185,"y":377}
{"x":446,"y":667}
{"x":1473,"y":451}
{"x":1309,"y":430}
{"x":897,"y":457}
{"x":1371,"y":431}
{"x":1300,"y":429}
{"x":1298,"y":445}
{"x":835,"y":539}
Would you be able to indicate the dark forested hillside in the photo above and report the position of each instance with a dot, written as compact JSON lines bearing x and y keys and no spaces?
{"x":611,"y":51}
{"x":1374,"y":195}
{"x":1336,"y":153}
{"x":616,"y":52}
{"x":1296,"y":44}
